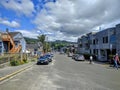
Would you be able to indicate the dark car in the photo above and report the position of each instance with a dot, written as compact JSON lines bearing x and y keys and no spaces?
{"x":42,"y":60}
{"x":52,"y":55}
{"x":49,"y":57}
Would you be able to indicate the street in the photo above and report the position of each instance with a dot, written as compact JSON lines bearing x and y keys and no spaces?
{"x":65,"y":74}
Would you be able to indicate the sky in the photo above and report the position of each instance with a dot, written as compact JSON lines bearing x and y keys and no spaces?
{"x":58,"y":19}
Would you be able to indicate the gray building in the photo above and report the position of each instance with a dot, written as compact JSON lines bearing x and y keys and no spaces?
{"x":104,"y":44}
{"x":101,"y":44}
{"x":118,"y":39}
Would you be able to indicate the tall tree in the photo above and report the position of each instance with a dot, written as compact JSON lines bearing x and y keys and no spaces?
{"x":46,"y":46}
{"x":41,"y":38}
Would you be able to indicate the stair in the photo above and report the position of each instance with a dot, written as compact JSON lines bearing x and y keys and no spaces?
{"x":8,"y":37}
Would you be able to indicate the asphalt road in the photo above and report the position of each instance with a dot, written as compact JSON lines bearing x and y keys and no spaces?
{"x":65,"y":74}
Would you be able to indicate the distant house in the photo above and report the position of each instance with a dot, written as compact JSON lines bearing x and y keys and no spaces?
{"x":35,"y":49}
{"x":13,"y":42}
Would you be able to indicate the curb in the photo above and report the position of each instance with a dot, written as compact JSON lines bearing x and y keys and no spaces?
{"x":14,"y":73}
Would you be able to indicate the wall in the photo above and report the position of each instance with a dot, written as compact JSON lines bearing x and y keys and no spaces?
{"x":118,"y":38}
{"x":19,"y":37}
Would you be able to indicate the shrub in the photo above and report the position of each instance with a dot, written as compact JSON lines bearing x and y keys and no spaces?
{"x":14,"y":62}
{"x":87,"y":56}
{"x":25,"y":60}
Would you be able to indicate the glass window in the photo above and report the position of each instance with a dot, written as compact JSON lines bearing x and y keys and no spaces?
{"x":0,"y":43}
{"x":105,"y":39}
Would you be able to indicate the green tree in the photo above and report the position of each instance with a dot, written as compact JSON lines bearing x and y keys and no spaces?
{"x":41,"y":38}
{"x":46,"y":45}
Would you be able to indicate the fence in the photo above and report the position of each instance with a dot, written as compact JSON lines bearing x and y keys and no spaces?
{"x":7,"y":57}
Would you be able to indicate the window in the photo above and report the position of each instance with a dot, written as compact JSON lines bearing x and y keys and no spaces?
{"x":96,"y":41}
{"x":80,"y":45}
{"x":93,"y":51}
{"x":105,"y":39}
{"x":87,"y":45}
{"x":93,"y":41}
{"x":0,"y":43}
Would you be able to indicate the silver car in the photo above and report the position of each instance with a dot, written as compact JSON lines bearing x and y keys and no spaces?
{"x":79,"y":58}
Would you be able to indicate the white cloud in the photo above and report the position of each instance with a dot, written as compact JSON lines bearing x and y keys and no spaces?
{"x":8,"y":23}
{"x":27,"y":33}
{"x":73,"y":18}
{"x":26,"y":7}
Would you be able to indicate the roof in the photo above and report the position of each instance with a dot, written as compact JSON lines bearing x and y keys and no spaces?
{"x":34,"y":46}
{"x":14,"y":33}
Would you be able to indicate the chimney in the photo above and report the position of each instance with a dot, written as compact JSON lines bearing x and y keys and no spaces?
{"x":7,"y":30}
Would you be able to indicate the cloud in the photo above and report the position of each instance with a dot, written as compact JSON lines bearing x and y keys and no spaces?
{"x":28,"y":33}
{"x":25,"y":7}
{"x":73,"y":18}
{"x":13,"y":24}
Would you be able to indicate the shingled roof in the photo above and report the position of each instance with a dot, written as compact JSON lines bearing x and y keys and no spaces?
{"x":14,"y":33}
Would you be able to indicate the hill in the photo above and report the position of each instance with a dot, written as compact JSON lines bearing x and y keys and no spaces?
{"x":30,"y":40}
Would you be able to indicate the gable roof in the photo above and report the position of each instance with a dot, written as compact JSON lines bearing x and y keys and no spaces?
{"x":14,"y":33}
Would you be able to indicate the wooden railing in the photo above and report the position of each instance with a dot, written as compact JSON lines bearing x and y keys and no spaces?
{"x":8,"y":37}
{"x":5,"y":37}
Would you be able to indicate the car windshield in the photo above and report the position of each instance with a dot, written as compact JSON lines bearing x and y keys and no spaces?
{"x":42,"y":57}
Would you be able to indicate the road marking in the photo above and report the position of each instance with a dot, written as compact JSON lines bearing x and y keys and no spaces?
{"x":14,"y":73}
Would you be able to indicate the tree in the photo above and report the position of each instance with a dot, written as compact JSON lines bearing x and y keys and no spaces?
{"x":41,"y":38}
{"x":46,"y":46}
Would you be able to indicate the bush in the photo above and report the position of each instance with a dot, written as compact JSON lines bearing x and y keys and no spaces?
{"x":25,"y":60}
{"x":87,"y":56}
{"x":15,"y":62}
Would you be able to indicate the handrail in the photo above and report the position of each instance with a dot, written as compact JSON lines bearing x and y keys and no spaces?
{"x":8,"y":37}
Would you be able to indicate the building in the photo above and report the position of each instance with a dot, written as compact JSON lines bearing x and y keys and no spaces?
{"x":13,"y":42}
{"x":118,"y":39}
{"x":101,"y":44}
{"x":35,"y":49}
{"x":85,"y":43}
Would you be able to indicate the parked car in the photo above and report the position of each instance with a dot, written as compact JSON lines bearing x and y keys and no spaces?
{"x":70,"y":54}
{"x":43,"y":60}
{"x":52,"y":55}
{"x":74,"y":56}
{"x":79,"y":58}
{"x":49,"y":57}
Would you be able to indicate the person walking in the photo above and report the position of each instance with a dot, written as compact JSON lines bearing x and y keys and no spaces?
{"x":116,"y":60}
{"x":91,"y":59}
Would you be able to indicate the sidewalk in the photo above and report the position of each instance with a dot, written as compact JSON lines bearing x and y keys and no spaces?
{"x":11,"y":69}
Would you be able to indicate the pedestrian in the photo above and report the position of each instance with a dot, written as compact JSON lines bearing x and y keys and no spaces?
{"x":91,"y":59}
{"x":116,"y":60}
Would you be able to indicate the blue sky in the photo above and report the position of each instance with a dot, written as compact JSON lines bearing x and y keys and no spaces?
{"x":58,"y":19}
